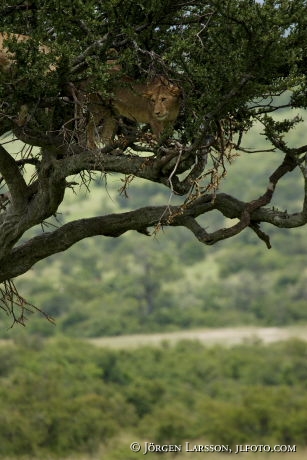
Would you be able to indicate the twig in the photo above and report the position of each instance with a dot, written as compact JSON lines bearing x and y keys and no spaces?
{"x":11,"y":299}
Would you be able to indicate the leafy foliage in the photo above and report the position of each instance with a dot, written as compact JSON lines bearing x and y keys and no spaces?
{"x":238,"y":63}
{"x":66,"y":396}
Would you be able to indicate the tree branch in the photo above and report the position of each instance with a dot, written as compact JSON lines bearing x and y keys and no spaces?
{"x":97,"y":45}
{"x":13,"y":178}
{"x":23,"y":257}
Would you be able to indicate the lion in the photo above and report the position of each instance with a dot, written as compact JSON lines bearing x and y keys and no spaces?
{"x":7,"y":62}
{"x":156,"y":103}
{"x":7,"y":58}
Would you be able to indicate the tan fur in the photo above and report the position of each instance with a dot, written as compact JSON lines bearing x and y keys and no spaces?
{"x":6,"y":57}
{"x":7,"y":63}
{"x":156,"y":103}
{"x":6,"y":36}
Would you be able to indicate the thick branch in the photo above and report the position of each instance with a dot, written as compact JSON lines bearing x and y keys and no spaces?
{"x":13,"y":178}
{"x":36,"y":202}
{"x":73,"y":159}
{"x":23,"y":257}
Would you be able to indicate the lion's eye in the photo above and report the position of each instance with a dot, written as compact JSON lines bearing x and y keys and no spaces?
{"x":163,"y":99}
{"x":152,"y":100}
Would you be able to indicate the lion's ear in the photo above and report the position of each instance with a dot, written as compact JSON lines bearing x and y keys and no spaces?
{"x":175,"y":90}
{"x":147,"y":94}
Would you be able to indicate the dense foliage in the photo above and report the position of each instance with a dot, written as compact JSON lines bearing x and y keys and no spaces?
{"x":231,"y":59}
{"x":67,"y":396}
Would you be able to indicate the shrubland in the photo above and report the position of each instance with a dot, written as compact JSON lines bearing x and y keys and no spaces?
{"x":64,"y":396}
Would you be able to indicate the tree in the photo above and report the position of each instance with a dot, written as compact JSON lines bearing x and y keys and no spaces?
{"x":237,"y":63}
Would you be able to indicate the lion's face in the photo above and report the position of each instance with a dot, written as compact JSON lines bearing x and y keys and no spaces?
{"x":165,"y":100}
